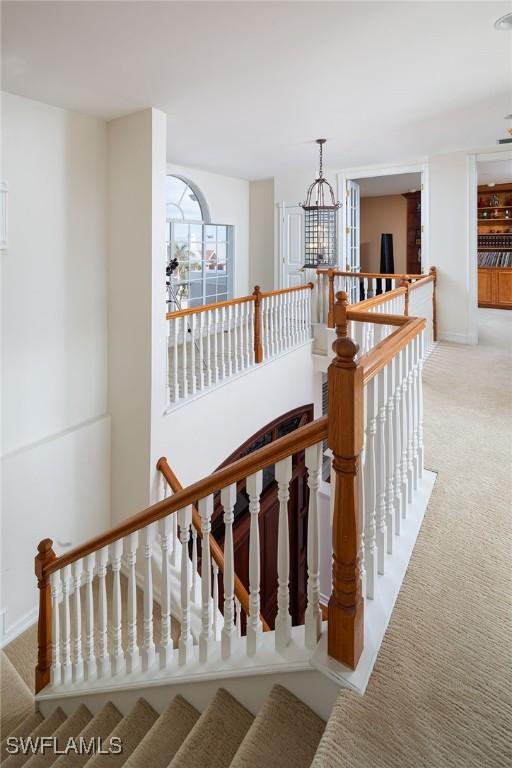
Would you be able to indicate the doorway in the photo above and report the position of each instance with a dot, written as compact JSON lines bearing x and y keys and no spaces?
{"x":268,"y":522}
{"x":391,"y":201}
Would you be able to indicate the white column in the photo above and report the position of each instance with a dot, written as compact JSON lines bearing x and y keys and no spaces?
{"x":254,"y":626}
{"x":132,"y":651}
{"x":78,"y":662}
{"x":103,"y":657}
{"x":283,"y":625}
{"x":166,"y":649}
{"x":117,"y":659}
{"x":370,"y":481}
{"x":313,"y":617}
{"x":56,"y":591}
{"x":148,"y":649}
{"x":205,"y":637}
{"x":228,"y":499}
{"x":186,"y":641}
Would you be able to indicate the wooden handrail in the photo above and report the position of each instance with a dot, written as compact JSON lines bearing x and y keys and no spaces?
{"x":292,"y":289}
{"x":216,"y":551}
{"x":382,"y":298}
{"x":379,"y":318}
{"x":378,"y":357}
{"x":422,"y":281}
{"x":296,"y":441}
{"x":208,"y":307}
{"x":383,"y":275}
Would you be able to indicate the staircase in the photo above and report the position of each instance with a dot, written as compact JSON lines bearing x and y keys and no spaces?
{"x":284,"y":732}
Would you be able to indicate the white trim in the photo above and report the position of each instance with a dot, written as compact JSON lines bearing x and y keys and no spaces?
{"x":9,"y":634}
{"x":367,"y":172}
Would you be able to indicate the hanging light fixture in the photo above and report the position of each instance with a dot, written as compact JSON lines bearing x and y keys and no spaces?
{"x":320,"y":221}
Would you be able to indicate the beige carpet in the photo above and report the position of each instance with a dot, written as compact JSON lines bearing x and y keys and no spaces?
{"x":440,"y":694}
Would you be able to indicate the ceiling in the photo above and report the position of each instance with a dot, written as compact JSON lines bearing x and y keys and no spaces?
{"x":247,"y":87}
{"x":395,"y":184}
{"x":494,"y":172}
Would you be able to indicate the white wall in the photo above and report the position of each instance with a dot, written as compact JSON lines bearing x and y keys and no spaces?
{"x":228,"y":201}
{"x":137,"y":341}
{"x":261,"y":241}
{"x":202,"y":433}
{"x":54,"y":338}
{"x":385,"y":213}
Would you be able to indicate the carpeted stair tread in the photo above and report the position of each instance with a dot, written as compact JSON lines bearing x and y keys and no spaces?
{"x":160,"y":744}
{"x":131,"y":730}
{"x":100,"y":727}
{"x":285,"y":734}
{"x":17,"y":702}
{"x":26,"y":727}
{"x":70,"y":728}
{"x":46,"y":728}
{"x":215,"y":738}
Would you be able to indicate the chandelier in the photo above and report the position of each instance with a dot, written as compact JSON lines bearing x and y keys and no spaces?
{"x":320,"y":220}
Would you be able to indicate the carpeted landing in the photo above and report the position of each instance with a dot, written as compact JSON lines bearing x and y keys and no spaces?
{"x":284,"y":734}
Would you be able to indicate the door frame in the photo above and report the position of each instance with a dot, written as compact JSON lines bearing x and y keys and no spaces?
{"x":368,"y":172}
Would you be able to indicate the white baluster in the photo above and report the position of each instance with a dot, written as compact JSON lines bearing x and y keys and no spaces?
{"x":215,"y":370}
{"x":166,"y":649}
{"x":132,"y":651}
{"x":370,"y":480}
{"x":184,"y":361}
{"x":222,"y":342}
{"x":175,"y":363}
{"x":283,"y":624}
{"x":254,"y":485}
{"x":117,"y":658}
{"x":397,"y":445}
{"x":208,"y":371}
{"x":247,"y":344}
{"x":103,"y":657}
{"x":361,"y":500}
{"x":390,"y":455}
{"x":174,"y":541}
{"x":186,"y":641}
{"x":229,"y":360}
{"x":215,"y":610}
{"x":235,"y":308}
{"x":404,"y":424}
{"x":410,"y":424}
{"x":205,"y":637}
{"x":313,"y":617}
{"x":148,"y":648}
{"x":381,"y":471}
{"x":192,"y":334}
{"x":194,"y":580}
{"x":415,"y":372}
{"x":66,"y":626}
{"x":90,"y":667}
{"x":265,"y":328}
{"x":77,"y":658}
{"x":56,"y":591}
{"x":228,"y":499}
{"x":238,"y":609}
{"x":200,"y":370}
{"x":421,"y":340}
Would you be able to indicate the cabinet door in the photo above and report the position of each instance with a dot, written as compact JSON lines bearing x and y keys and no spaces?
{"x":504,"y":290}
{"x":485,"y":281}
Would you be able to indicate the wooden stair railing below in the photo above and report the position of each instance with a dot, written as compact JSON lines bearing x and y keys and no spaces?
{"x":216,"y":551}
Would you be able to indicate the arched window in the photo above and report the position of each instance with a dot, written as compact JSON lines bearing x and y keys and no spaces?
{"x":199,"y":254}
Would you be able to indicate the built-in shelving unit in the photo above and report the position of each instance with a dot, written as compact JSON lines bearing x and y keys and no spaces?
{"x":494,"y":215}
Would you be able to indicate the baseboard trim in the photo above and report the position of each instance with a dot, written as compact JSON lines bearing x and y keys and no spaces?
{"x":8,"y":634}
{"x":459,"y":338}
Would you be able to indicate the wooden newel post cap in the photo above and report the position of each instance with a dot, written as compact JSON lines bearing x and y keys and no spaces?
{"x":45,"y":555}
{"x":345,"y":349}
{"x":257,"y":290}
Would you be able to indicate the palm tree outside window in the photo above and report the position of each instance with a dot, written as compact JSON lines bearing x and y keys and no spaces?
{"x":199,"y":253}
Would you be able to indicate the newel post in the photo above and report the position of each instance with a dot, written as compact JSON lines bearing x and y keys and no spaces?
{"x":404,"y":283}
{"x":330,"y":311}
{"x":44,"y":557}
{"x":433,"y":271}
{"x":258,"y":346}
{"x":345,"y":637}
